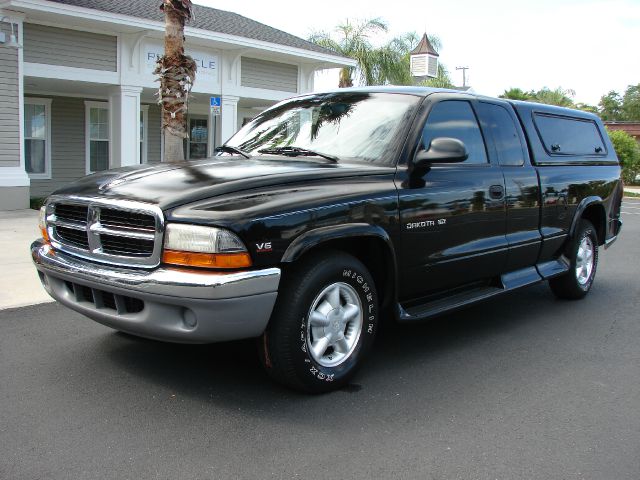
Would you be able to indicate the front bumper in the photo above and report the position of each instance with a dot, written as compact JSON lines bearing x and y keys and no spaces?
{"x":164,"y":304}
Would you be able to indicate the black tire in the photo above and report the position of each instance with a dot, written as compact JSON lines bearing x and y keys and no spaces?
{"x":310,"y":287}
{"x":577,"y":282}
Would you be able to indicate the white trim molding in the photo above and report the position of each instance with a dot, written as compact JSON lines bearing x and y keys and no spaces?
{"x":46,"y":102}
{"x":40,"y":70}
{"x":14,"y":177}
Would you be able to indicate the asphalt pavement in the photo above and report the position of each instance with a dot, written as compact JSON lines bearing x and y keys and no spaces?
{"x":520,"y":387}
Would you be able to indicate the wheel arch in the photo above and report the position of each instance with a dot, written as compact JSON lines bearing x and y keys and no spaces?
{"x":367,"y":243}
{"x":592,"y":209}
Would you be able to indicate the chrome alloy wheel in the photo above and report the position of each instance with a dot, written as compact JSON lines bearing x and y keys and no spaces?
{"x":334,"y":324}
{"x":584,"y":260}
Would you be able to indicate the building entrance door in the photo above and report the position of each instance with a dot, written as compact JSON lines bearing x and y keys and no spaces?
{"x":198,"y":138}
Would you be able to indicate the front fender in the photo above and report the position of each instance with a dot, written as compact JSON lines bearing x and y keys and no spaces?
{"x":317,"y":236}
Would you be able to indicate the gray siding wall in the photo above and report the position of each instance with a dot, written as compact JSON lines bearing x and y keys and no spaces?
{"x":70,"y":48}
{"x":9,"y":104}
{"x":67,"y":145}
{"x":270,"y":75}
{"x":154,"y":135}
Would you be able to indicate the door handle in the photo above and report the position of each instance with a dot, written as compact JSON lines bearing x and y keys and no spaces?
{"x":496,"y":192}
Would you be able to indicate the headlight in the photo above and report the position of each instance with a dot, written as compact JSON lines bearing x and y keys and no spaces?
{"x":209,"y":247}
{"x":42,"y":223}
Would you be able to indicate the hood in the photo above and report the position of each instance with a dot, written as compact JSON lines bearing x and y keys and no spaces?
{"x":173,"y":184}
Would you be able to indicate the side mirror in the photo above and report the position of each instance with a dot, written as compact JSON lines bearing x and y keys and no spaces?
{"x":441,"y":150}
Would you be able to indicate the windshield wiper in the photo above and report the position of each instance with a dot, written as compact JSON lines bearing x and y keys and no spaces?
{"x":230,"y":149}
{"x":295,"y":151}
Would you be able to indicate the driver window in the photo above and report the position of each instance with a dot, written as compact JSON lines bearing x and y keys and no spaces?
{"x":455,"y":119}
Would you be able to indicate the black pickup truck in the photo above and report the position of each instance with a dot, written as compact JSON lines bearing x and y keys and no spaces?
{"x":330,"y":212}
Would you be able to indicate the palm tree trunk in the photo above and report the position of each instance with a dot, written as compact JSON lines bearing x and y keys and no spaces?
{"x":177,"y":74}
{"x":345,"y":80}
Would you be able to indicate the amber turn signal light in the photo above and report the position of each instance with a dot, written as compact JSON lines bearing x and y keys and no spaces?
{"x":206,"y":260}
{"x":42,"y":224}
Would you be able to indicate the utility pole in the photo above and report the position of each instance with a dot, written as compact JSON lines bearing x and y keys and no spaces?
{"x":464,"y":75}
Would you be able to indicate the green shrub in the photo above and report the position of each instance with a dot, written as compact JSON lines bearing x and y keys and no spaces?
{"x":628,"y":152}
{"x":36,"y":202}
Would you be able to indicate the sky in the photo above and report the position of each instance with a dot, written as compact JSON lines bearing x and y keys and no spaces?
{"x":589,"y":46}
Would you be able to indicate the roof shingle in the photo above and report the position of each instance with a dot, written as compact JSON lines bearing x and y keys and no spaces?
{"x":205,"y":18}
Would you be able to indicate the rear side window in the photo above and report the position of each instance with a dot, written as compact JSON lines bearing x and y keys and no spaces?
{"x":569,"y":136}
{"x":455,"y":119}
{"x":505,"y":133}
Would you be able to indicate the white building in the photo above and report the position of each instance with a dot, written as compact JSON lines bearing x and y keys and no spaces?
{"x":78,"y":93}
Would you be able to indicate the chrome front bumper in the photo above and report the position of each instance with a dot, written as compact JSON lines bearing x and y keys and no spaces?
{"x":164,"y":304}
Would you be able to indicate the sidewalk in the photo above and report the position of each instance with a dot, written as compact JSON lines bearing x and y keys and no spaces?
{"x":635,"y":190}
{"x":20,"y":285}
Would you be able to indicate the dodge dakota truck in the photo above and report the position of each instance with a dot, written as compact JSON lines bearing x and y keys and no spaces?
{"x":329,"y":213}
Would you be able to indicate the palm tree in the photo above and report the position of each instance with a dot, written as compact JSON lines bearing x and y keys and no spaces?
{"x":177,"y":73}
{"x":354,"y":43}
{"x":389,"y":64}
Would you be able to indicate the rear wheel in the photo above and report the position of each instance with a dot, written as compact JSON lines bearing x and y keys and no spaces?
{"x":583,"y":255}
{"x":323,"y":324}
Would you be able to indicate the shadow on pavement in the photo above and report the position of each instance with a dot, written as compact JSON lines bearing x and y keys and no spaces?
{"x":229,"y":374}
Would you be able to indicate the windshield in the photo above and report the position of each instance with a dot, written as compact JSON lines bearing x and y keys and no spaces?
{"x":346,"y":125}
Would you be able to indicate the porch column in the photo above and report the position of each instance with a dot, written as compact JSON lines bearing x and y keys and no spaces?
{"x":228,"y":117}
{"x":14,"y":181}
{"x":124,"y":105}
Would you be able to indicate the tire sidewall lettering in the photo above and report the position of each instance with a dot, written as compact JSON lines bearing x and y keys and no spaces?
{"x":368,"y":297}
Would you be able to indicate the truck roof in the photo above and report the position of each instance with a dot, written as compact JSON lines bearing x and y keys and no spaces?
{"x":426,"y":91}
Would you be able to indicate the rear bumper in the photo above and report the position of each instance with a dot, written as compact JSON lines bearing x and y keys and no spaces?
{"x":164,"y":304}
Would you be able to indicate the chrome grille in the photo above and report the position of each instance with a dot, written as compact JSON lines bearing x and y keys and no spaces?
{"x":72,"y":213}
{"x":126,"y":246}
{"x":120,"y":232}
{"x":110,"y":217}
{"x":77,"y":238}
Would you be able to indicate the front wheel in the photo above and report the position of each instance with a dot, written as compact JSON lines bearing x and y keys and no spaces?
{"x":323,"y":324}
{"x":583,"y":255}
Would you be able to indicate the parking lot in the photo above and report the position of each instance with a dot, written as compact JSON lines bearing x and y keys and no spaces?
{"x":523,"y":386}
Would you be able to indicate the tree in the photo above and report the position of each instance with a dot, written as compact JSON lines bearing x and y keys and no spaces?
{"x":585,"y":107}
{"x":610,"y":106}
{"x":558,"y":96}
{"x":628,"y":152}
{"x":516,"y":94}
{"x":388,"y":64}
{"x":354,"y":43}
{"x":631,"y":104}
{"x":395,"y":61}
{"x":443,"y":80}
{"x":177,"y":73}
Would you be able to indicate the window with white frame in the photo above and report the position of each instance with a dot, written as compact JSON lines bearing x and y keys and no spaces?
{"x":97,"y":136}
{"x":37,"y":137}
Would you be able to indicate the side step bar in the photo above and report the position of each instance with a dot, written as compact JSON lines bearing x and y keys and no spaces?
{"x":509,"y":282}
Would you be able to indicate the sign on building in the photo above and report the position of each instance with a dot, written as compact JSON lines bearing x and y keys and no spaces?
{"x":215,"y":105}
{"x":206,"y":62}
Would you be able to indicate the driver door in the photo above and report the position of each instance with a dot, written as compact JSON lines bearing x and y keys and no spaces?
{"x":453,"y":217}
